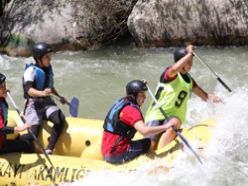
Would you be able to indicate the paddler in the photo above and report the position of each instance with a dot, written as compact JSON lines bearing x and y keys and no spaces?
{"x":9,"y":145}
{"x":38,"y":87}
{"x":123,"y":120}
{"x":173,"y":91}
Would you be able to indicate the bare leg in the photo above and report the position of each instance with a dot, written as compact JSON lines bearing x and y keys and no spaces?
{"x":153,"y":146}
{"x":169,"y":134}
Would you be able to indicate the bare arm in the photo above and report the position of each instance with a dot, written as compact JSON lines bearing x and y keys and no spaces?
{"x":21,"y":128}
{"x":200,"y":92}
{"x":10,"y":130}
{"x":39,"y":93}
{"x":204,"y":95}
{"x":178,"y":66}
{"x":146,"y":131}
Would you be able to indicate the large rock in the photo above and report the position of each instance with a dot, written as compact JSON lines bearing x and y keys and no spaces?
{"x":204,"y":22}
{"x":69,"y":25}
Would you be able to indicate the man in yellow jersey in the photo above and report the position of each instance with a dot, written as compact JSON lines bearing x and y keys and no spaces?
{"x":172,"y":93}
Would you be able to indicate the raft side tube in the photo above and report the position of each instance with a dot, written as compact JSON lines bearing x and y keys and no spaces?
{"x":77,"y":135}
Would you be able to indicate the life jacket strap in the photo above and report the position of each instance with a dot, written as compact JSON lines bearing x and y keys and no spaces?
{"x":115,"y":145}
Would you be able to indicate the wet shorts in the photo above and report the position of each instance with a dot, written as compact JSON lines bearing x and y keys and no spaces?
{"x":38,"y":109}
{"x":136,"y":148}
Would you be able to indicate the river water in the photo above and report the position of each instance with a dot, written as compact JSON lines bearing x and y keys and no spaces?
{"x":99,"y":77}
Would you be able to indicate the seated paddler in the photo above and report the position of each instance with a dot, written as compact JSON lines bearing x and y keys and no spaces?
{"x":123,"y":120}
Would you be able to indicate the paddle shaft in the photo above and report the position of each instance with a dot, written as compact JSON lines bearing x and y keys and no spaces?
{"x":73,"y":105}
{"x":30,"y":131}
{"x":59,"y":99}
{"x":173,"y":127}
{"x":218,"y":78}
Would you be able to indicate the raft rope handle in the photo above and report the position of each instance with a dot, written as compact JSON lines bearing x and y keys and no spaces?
{"x":218,"y":78}
{"x":173,"y":127}
{"x":30,"y":131}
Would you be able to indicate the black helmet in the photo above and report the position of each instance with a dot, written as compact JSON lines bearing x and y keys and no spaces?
{"x":134,"y":87}
{"x":40,"y":49}
{"x":179,"y":53}
{"x":2,"y":78}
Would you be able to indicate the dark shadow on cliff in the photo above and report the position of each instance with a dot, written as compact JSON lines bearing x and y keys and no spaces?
{"x":108,"y":20}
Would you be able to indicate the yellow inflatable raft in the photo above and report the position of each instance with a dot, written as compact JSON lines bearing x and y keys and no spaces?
{"x":78,"y":152}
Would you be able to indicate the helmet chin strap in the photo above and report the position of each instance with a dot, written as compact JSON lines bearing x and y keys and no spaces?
{"x":39,"y":62}
{"x":132,"y":98}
